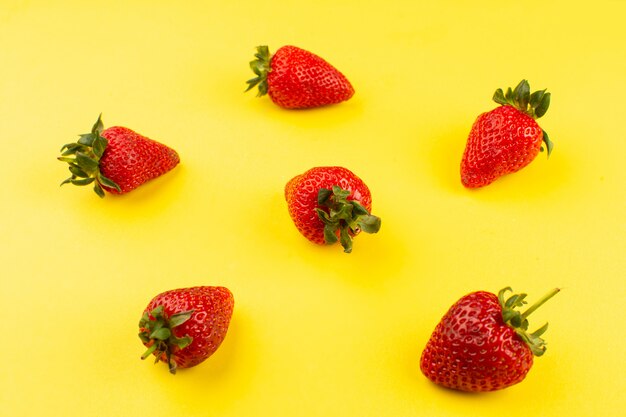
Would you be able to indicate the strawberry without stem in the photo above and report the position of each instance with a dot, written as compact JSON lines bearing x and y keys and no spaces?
{"x":183,"y":327}
{"x":298,"y":79}
{"x":507,"y":138}
{"x":482,"y":343}
{"x":330,"y":204}
{"x":116,"y":160}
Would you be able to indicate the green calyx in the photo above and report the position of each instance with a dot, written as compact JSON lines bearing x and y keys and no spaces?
{"x":535,"y":105}
{"x":343,"y":217}
{"x":83,"y":158}
{"x":261,"y":67}
{"x":156,"y":333}
{"x":519,"y":321}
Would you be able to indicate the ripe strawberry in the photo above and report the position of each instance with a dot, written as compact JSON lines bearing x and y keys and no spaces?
{"x":329,"y":204}
{"x":482,"y":343}
{"x":507,"y":138}
{"x":116,"y":160}
{"x":298,"y":79}
{"x":184,"y":327}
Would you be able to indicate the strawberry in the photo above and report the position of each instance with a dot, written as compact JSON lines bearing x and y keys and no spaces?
{"x":183,"y":327}
{"x":116,"y":160}
{"x":482,"y":343}
{"x":330,"y":204}
{"x":507,"y":138}
{"x":298,"y":79}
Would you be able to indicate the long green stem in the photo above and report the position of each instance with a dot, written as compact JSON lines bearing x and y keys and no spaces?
{"x":539,"y":303}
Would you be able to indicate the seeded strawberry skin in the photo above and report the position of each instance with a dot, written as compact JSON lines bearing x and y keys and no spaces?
{"x":208,"y":325}
{"x":501,"y":142}
{"x":472,"y":349}
{"x":506,"y":139}
{"x":299,"y":79}
{"x":301,"y":195}
{"x":131,"y":159}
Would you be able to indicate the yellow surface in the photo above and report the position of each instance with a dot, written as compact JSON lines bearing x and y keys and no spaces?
{"x":315,"y":332}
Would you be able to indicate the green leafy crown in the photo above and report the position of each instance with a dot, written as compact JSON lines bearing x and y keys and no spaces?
{"x":83,"y":158}
{"x":343,"y":215}
{"x":535,"y":105}
{"x":261,"y":67}
{"x":156,"y":333}
{"x":519,"y":321}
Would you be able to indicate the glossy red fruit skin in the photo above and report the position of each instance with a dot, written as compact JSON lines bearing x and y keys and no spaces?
{"x":472,"y":349}
{"x":301,"y":196}
{"x":131,"y":159}
{"x":500,"y":142}
{"x":208,"y":325}
{"x":299,"y":79}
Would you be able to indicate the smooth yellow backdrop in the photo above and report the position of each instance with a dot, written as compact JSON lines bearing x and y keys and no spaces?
{"x":315,"y":332}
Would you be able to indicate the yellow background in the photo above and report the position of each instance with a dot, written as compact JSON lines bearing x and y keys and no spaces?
{"x":315,"y":332}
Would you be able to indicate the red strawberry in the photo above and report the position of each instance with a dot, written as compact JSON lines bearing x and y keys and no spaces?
{"x":117,"y":159}
{"x":184,"y":327}
{"x":329,"y":204}
{"x":298,"y":79}
{"x":507,"y":138}
{"x":482,"y":343}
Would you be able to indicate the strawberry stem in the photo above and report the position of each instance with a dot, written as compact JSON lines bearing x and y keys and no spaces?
{"x":519,"y":321}
{"x":540,"y":302}
{"x":149,"y":352}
